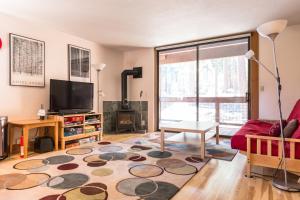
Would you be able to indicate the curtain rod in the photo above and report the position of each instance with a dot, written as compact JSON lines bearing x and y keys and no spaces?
{"x":205,"y":41}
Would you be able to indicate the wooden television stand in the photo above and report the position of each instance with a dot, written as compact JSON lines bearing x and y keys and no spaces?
{"x":79,"y":126}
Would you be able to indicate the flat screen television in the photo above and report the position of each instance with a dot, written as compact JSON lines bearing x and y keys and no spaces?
{"x":71,"y":97}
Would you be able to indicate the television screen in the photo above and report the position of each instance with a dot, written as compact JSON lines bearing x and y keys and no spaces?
{"x":70,"y":95}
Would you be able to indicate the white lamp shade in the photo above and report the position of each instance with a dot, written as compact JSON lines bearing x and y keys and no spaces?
{"x":99,"y":67}
{"x":272,"y":28}
{"x":249,"y":54}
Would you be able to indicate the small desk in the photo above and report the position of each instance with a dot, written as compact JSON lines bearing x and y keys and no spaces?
{"x":189,"y":126}
{"x":26,"y":125}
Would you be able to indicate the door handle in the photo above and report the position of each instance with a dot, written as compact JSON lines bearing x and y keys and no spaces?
{"x":247,"y":97}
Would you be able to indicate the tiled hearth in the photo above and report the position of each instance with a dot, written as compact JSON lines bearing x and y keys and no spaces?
{"x":110,"y":109}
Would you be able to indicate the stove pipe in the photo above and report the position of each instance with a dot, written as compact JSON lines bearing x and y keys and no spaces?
{"x":136,"y":72}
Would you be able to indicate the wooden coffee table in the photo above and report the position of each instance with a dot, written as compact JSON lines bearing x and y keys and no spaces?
{"x":192,"y":127}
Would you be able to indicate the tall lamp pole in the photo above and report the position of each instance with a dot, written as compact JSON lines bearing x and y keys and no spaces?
{"x":286,"y":181}
{"x":99,"y":68}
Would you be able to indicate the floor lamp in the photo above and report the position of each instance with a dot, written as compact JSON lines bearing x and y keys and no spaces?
{"x":99,"y":68}
{"x":285,"y":181}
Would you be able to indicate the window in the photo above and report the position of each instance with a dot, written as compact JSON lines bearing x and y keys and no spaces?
{"x":204,"y":82}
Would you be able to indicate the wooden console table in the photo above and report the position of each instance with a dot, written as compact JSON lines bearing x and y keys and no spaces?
{"x":26,"y":125}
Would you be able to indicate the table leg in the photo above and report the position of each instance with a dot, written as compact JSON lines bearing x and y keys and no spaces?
{"x":217,"y":134}
{"x":63,"y":145}
{"x":202,"y":149}
{"x":25,"y":138}
{"x":56,"y":136}
{"x":100,"y":136}
{"x":162,"y":140}
{"x":11,"y":138}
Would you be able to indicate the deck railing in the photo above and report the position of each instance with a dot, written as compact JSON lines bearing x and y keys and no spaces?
{"x":226,"y":110}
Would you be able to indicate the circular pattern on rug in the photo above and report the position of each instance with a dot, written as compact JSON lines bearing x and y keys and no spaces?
{"x":54,"y":160}
{"x":110,"y":148}
{"x":159,"y":154}
{"x":53,"y":197}
{"x":217,"y":152}
{"x":69,"y":181}
{"x":164,"y":191}
{"x":129,"y":187}
{"x":39,"y":170}
{"x":31,"y":164}
{"x":97,"y":184}
{"x":79,"y":151}
{"x":146,"y":171}
{"x":84,"y":193}
{"x":186,"y":170}
{"x":137,"y":158}
{"x":96,"y":163}
{"x":92,"y":158}
{"x":68,"y":166}
{"x":113,"y":156}
{"x":140,"y":148}
{"x":194,"y":159}
{"x":131,"y":154}
{"x":102,"y":172}
{"x":171,"y":163}
{"x":10,"y":180}
{"x":32,"y":180}
{"x":104,"y":143}
{"x":55,"y":181}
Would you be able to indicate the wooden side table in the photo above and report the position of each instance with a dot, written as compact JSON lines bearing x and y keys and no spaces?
{"x":26,"y":125}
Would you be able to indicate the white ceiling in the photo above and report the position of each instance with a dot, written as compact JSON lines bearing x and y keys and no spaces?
{"x":149,"y":23}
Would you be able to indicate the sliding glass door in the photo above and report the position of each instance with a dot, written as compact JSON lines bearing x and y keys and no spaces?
{"x":205,"y":82}
{"x":177,"y":84}
{"x":223,"y":82}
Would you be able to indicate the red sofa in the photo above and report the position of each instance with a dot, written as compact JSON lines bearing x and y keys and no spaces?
{"x":255,"y":130}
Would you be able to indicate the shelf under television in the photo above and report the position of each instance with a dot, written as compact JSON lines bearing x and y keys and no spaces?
{"x":84,"y":124}
{"x":80,"y":136}
{"x":71,"y":126}
{"x":92,"y":123}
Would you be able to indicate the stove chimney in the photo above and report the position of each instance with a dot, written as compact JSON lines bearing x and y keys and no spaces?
{"x":136,"y":72}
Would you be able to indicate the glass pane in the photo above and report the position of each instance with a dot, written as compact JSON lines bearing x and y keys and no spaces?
{"x":233,"y":113}
{"x":178,"y":111}
{"x":207,"y":112}
{"x":223,"y":77}
{"x":177,"y":80}
{"x":223,"y":81}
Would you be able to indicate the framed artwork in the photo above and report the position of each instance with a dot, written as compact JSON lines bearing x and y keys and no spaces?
{"x":79,"y":64}
{"x":27,"y":61}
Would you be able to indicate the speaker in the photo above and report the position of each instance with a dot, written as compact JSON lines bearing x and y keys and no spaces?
{"x":43,"y":144}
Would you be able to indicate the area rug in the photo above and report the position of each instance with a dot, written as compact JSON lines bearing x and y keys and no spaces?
{"x":222,"y":151}
{"x":99,"y":171}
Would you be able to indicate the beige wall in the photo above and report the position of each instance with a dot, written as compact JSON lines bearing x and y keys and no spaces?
{"x":23,"y":102}
{"x":288,"y":51}
{"x":142,"y":57}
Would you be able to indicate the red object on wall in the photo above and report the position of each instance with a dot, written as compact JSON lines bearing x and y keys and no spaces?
{"x":0,"y":43}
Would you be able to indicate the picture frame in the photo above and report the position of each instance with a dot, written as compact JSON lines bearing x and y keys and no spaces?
{"x":79,"y":61}
{"x":27,"y":61}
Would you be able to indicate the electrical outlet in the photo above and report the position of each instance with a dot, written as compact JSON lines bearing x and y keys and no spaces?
{"x":262,"y":88}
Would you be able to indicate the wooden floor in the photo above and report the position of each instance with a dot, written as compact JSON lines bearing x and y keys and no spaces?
{"x":223,"y":180}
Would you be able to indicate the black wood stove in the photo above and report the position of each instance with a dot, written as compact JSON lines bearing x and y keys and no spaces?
{"x":125,"y":120}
